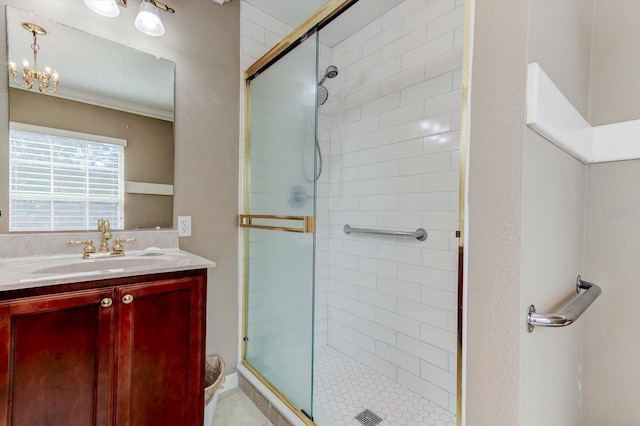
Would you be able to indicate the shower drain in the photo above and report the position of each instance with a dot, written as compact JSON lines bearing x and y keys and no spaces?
{"x":368,"y":418}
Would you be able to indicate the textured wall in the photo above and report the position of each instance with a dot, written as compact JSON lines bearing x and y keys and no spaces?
{"x":203,"y":39}
{"x":525,"y":216}
{"x":494,"y":249}
{"x":560,"y":41}
{"x":560,"y":35}
{"x":615,"y":87}
{"x":552,"y":251}
{"x":611,"y":346}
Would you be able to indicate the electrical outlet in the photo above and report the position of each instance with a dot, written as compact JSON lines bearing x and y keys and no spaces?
{"x":184,"y":226}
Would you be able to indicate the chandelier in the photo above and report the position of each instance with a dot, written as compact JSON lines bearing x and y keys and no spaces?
{"x":31,"y":75}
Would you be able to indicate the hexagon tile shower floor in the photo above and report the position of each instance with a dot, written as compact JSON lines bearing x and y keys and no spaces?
{"x":345,"y":387}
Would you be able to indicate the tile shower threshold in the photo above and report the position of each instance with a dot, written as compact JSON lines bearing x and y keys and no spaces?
{"x":270,"y":405}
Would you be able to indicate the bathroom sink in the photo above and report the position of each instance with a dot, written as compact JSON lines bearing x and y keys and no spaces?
{"x":91,"y":265}
{"x":33,"y":271}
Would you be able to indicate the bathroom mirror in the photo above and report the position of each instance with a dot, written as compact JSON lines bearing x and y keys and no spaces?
{"x":106,"y":89}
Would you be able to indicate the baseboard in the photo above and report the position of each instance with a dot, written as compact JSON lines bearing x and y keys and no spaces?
{"x":230,"y":382}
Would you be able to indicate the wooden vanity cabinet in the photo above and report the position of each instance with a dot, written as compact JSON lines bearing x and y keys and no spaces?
{"x":56,"y":359}
{"x":115,"y":352}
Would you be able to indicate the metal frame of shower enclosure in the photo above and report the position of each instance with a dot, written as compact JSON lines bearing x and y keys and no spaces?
{"x":323,"y":16}
{"x":246,"y":221}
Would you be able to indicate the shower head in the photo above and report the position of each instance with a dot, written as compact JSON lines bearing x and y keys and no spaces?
{"x":330,"y":72}
{"x":323,"y":93}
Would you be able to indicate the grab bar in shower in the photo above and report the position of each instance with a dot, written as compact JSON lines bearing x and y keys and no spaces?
{"x":570,"y":313}
{"x":419,"y":234}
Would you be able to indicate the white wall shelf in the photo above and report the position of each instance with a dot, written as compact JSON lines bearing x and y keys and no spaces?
{"x":550,"y":114}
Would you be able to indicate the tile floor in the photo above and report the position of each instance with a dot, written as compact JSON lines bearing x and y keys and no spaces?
{"x":236,"y":409}
{"x":344,"y":387}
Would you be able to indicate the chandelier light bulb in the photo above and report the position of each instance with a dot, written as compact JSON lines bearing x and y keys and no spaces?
{"x":148,"y":20}
{"x":25,"y":63}
{"x":107,"y":8}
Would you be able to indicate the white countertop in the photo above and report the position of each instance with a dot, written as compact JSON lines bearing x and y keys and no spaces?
{"x":39,"y":271}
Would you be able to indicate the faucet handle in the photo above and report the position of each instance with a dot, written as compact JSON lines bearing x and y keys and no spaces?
{"x":117,"y":245}
{"x":88,"y":248}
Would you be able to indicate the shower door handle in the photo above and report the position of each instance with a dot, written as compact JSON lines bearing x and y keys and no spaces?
{"x":256,"y":221}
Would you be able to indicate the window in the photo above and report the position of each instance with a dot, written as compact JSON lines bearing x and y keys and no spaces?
{"x":61,"y":180}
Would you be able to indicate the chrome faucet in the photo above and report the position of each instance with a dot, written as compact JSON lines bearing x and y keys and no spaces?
{"x":105,"y":228}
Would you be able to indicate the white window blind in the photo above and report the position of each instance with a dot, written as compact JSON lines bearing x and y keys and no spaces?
{"x":62,"y":181}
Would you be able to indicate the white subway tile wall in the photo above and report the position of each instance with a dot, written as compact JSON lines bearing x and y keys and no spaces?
{"x":390,"y":145}
{"x":390,"y":127}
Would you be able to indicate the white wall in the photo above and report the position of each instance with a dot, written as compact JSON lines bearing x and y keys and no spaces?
{"x":560,"y":35}
{"x":598,"y":353}
{"x":611,"y":344}
{"x":322,"y":213}
{"x":525,"y":220}
{"x":552,"y":248}
{"x":260,"y":32}
{"x":495,"y":210}
{"x":616,"y":53}
{"x":394,"y":164}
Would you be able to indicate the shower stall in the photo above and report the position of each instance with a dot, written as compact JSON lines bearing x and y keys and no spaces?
{"x":350,"y":214}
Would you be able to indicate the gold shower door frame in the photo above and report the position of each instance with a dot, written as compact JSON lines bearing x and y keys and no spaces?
{"x":329,"y":11}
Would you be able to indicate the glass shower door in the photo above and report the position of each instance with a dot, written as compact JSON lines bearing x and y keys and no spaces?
{"x":279,"y":224}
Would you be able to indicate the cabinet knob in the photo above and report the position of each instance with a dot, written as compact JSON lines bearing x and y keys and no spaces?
{"x":127,"y":298}
{"x":106,"y":302}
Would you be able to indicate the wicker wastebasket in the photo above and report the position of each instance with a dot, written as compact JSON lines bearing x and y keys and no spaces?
{"x":213,"y":380}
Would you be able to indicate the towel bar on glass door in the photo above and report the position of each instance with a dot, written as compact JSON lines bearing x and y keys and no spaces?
{"x":419,"y":234}
{"x":308,"y":224}
{"x":570,"y":313}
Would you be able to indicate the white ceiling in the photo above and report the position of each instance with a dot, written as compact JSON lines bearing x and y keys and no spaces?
{"x":294,"y":12}
{"x":291,"y":12}
{"x":92,"y":69}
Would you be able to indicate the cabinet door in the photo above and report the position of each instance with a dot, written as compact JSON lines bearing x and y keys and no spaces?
{"x":56,"y":360}
{"x":160,"y":346}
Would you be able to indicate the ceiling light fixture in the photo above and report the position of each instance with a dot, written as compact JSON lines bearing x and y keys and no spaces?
{"x":148,"y":20}
{"x":108,"y":8}
{"x":31,"y":75}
